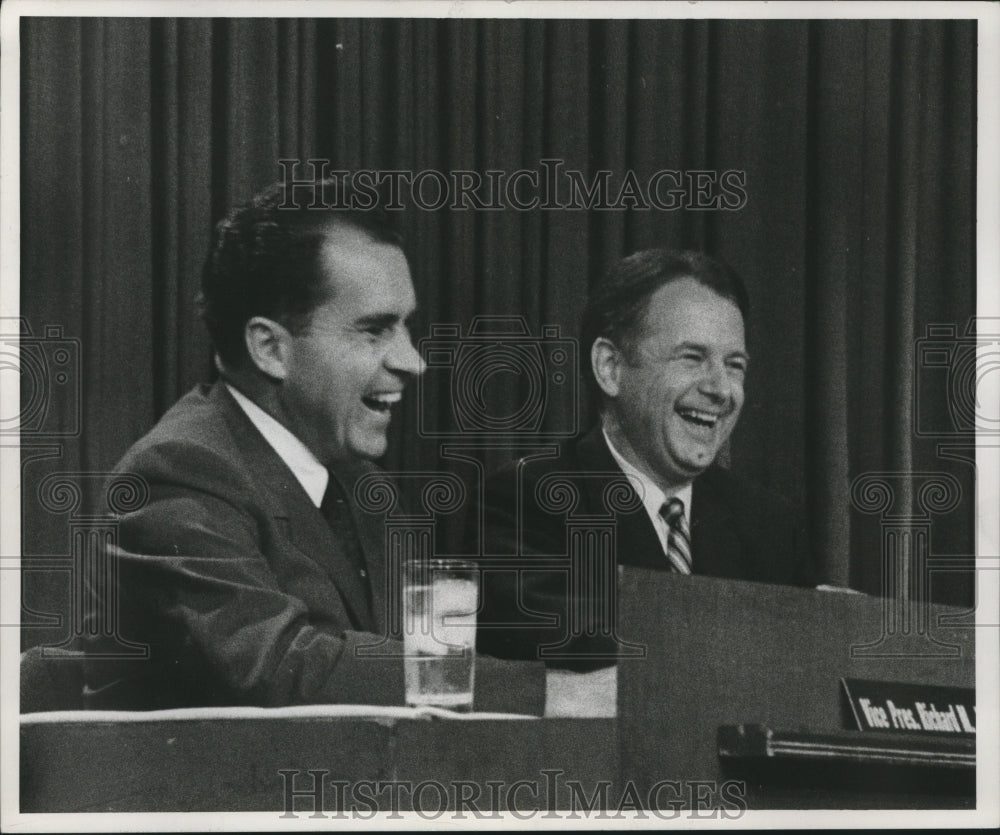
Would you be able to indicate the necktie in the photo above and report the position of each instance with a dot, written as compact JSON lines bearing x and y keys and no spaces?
{"x":678,"y":538}
{"x":334,"y":510}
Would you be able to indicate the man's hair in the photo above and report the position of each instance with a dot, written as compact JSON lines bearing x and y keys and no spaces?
{"x":264,"y":261}
{"x":617,"y":304}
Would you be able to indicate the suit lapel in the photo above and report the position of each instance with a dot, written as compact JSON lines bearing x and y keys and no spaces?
{"x":636,"y":540}
{"x":715,"y":540}
{"x":288,"y":502}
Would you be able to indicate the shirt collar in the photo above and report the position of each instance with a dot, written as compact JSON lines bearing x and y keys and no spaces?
{"x":312,"y":475}
{"x":652,"y":496}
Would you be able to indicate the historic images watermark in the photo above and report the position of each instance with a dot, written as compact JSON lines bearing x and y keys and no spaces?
{"x":92,"y":564}
{"x":464,"y":401}
{"x":551,"y":797}
{"x":48,"y":365}
{"x":950,"y":364}
{"x":465,"y":365}
{"x":550,"y":186}
{"x":589,"y":564}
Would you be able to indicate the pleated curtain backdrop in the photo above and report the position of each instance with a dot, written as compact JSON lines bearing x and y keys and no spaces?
{"x":857,"y":139}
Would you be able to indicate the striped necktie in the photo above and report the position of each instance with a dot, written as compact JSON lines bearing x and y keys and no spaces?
{"x":678,"y":538}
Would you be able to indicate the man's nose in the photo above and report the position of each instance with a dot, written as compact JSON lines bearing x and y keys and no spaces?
{"x":716,"y":382}
{"x":403,"y":357}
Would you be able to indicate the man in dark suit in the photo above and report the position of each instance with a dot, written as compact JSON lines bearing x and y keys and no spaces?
{"x":666,"y":337}
{"x":250,"y":571}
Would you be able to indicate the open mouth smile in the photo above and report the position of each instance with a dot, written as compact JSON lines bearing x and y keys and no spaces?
{"x":382,"y":402}
{"x":697,"y":417}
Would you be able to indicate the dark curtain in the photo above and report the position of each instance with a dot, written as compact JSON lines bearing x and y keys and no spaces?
{"x":857,"y":140}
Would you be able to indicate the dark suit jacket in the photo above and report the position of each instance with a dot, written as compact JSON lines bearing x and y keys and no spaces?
{"x":236,"y":581}
{"x":738,"y":531}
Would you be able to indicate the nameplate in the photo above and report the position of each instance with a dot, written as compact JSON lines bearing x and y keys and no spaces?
{"x":897,"y":707}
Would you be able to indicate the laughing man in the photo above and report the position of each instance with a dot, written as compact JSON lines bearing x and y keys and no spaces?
{"x":666,"y":336}
{"x":250,"y":572}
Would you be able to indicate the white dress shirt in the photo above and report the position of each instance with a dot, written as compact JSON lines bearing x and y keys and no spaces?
{"x":650,"y":493}
{"x":312,"y":475}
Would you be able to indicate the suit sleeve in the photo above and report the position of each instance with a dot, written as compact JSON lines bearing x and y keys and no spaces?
{"x":198,"y":584}
{"x":526,"y":596}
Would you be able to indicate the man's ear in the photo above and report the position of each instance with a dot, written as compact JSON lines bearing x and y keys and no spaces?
{"x":269,"y":345}
{"x":606,"y":361}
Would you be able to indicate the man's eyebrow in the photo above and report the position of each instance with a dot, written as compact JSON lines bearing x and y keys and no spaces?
{"x":697,"y":346}
{"x":377,"y":320}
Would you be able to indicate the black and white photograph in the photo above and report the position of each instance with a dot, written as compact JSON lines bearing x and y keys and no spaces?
{"x":499,"y":415}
